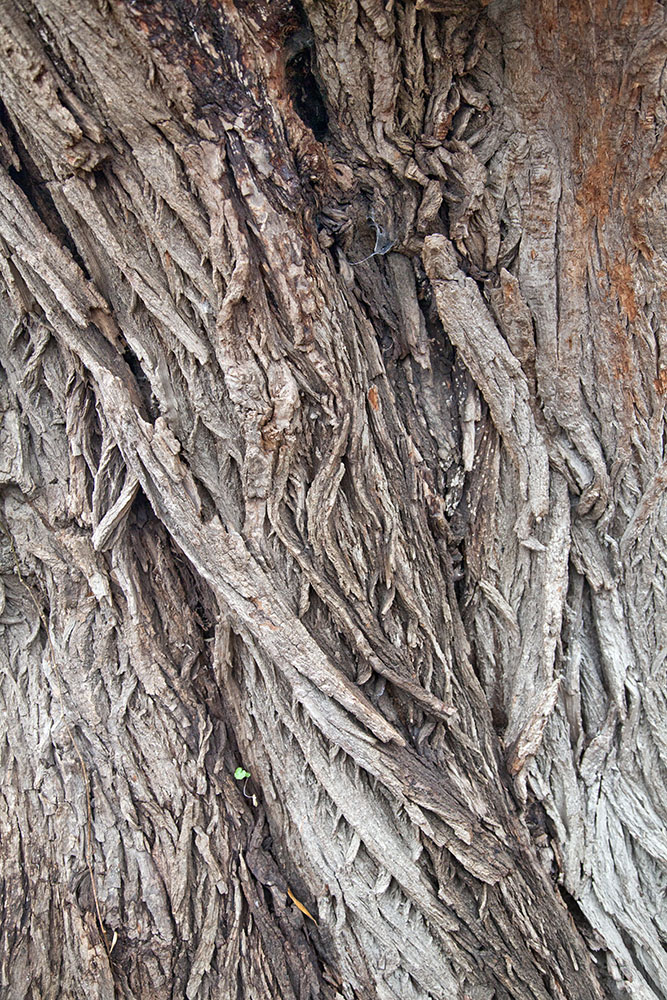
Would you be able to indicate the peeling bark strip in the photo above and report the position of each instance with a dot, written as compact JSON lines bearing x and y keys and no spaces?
{"x":332,"y":398}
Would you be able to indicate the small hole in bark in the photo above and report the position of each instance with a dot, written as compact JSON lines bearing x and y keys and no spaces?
{"x":208,"y":506}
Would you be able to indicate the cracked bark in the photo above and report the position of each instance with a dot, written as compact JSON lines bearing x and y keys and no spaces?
{"x":333,"y":372}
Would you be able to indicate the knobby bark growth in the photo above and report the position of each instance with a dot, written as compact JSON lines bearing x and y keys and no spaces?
{"x":333,"y":376}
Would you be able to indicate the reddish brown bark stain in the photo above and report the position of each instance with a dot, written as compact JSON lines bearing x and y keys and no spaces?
{"x":595,"y":191}
{"x":610,"y":121}
{"x":373,"y":398}
{"x":637,"y":9}
{"x":578,"y":44}
{"x":621,"y":280}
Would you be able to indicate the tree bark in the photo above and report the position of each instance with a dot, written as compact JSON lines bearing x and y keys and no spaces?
{"x":333,"y":378}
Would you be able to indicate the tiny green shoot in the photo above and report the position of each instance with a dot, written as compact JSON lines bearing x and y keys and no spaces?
{"x":240,"y":773}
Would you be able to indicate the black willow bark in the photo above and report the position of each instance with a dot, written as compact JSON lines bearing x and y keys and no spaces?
{"x":332,"y":386}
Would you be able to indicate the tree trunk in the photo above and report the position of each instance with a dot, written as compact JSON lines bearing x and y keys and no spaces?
{"x":333,"y":378}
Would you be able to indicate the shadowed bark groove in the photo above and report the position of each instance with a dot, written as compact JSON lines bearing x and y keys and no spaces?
{"x":332,"y":395}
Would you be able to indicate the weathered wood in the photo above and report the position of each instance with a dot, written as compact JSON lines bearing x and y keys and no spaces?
{"x":332,"y":394}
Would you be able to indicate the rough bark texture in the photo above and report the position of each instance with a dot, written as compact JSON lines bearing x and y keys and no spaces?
{"x":333,"y":375}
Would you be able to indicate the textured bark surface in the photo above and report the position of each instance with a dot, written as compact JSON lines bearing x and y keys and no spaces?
{"x":333,"y":375}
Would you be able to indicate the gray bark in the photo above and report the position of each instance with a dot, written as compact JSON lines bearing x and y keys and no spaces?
{"x":333,"y":378}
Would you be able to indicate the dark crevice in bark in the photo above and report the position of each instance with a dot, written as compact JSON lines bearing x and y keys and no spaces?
{"x":36,"y":189}
{"x":305,"y":91}
{"x":52,"y":49}
{"x":142,"y":382}
{"x":580,"y":921}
